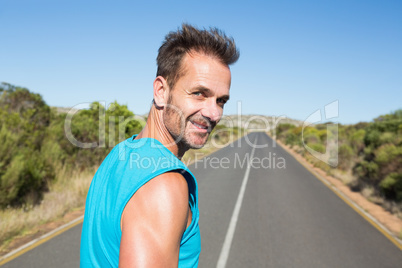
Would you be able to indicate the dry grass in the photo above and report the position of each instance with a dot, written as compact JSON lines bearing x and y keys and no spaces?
{"x":66,"y":194}
{"x":345,"y":176}
{"x":394,"y":208}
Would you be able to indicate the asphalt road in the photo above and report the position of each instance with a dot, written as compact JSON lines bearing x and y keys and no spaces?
{"x":269,"y":212}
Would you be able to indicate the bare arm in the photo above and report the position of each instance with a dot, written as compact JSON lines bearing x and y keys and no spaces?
{"x":153,"y":223}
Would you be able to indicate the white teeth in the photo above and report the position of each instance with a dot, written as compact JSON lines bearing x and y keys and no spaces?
{"x":197,"y":125}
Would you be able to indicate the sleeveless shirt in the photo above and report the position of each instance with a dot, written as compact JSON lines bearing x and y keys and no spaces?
{"x":130,"y":165}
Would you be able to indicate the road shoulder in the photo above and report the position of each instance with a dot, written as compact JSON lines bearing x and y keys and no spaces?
{"x":37,"y":235}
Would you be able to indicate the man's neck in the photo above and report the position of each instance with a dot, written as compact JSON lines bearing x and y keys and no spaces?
{"x":156,"y":129}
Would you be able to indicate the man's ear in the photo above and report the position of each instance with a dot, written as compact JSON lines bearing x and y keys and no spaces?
{"x":161,"y":91}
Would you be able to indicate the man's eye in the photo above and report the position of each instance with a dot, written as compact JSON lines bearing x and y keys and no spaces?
{"x":222,"y":101}
{"x":197,"y":93}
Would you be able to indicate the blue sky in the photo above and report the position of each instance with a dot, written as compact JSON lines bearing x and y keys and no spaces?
{"x":296,"y":56}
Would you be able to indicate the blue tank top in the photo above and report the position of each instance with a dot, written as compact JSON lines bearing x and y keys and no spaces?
{"x":127,"y":167}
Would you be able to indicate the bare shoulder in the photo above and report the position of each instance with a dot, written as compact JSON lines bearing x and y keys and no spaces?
{"x":164,"y":194}
{"x":170,"y":183}
{"x":154,"y":220}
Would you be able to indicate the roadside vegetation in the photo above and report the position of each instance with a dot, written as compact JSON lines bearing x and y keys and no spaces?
{"x":48,"y":156}
{"x":369,"y":155}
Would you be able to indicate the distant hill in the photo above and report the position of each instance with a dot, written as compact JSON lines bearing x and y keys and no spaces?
{"x":263,"y":122}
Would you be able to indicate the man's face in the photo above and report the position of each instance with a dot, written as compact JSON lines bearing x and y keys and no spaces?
{"x":196,"y":102}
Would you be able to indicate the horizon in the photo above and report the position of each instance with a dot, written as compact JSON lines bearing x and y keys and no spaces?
{"x":224,"y":114}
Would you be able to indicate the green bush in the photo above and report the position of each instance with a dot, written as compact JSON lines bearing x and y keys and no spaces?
{"x":291,"y":139}
{"x":25,"y":179}
{"x":345,"y":156}
{"x":392,"y":186}
{"x":311,"y":138}
{"x":388,"y":153}
{"x":367,"y":171}
{"x":317,"y":147}
{"x":33,"y":142}
{"x":283,"y":128}
{"x":357,"y":140}
{"x":387,"y":137}
{"x":372,"y":138}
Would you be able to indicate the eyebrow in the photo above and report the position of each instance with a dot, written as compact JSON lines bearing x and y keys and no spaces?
{"x":208,"y":92}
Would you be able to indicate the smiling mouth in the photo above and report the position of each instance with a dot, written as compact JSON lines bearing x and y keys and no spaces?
{"x":200,"y":126}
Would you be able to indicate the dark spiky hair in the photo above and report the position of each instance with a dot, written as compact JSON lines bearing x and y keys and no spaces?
{"x":212,"y":42}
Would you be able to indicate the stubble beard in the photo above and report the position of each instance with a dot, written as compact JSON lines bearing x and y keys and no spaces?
{"x":177,"y":127}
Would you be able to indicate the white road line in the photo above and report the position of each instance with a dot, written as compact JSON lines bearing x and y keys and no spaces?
{"x":223,"y":257}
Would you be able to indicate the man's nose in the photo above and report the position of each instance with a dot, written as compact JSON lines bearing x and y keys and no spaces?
{"x":212,"y":111}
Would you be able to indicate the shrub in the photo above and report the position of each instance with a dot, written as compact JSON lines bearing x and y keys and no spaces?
{"x":387,"y":137}
{"x":345,"y":156}
{"x":284,"y":127}
{"x":367,"y":171}
{"x":323,"y":166}
{"x":372,"y":138}
{"x":291,"y":139}
{"x":33,"y":143}
{"x":317,"y":147}
{"x":357,"y":140}
{"x":311,"y":138}
{"x":392,"y":186}
{"x":387,"y":153}
{"x":25,"y":179}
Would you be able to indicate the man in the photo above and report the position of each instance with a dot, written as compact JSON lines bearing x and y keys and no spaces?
{"x":142,"y":206}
